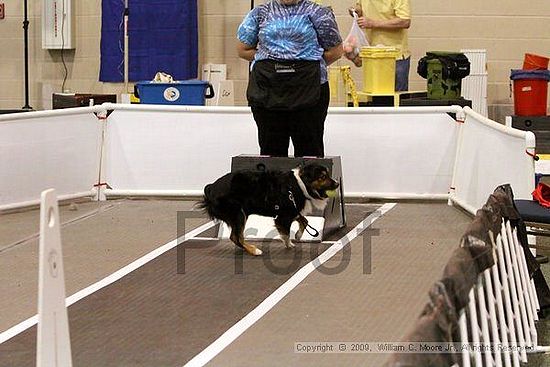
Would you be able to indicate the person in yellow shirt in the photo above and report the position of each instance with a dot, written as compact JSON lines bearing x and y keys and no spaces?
{"x":386,"y":22}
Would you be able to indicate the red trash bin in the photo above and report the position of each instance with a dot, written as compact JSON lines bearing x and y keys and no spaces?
{"x":530,"y":92}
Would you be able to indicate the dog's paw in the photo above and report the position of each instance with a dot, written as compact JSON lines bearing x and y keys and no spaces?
{"x":299,"y":234}
{"x":252,"y":250}
{"x":287,"y":241}
{"x":289,"y":244}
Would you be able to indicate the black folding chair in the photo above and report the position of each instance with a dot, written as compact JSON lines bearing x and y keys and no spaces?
{"x":537,"y":221}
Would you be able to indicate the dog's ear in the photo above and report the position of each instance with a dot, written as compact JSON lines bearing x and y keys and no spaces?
{"x":307,"y":172}
{"x":301,"y":166}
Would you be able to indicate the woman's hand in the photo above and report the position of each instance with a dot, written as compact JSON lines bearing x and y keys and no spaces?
{"x":333,"y":54}
{"x":245,"y":51}
{"x":355,"y":58}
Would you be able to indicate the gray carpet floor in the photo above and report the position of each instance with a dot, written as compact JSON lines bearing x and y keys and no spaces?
{"x":372,"y":297}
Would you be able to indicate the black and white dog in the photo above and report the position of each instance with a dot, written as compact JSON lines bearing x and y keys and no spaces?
{"x":285,"y":196}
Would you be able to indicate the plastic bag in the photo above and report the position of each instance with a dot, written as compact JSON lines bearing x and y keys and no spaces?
{"x":162,"y":77}
{"x":354,"y":41}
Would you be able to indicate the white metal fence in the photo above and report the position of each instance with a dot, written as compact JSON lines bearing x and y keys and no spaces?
{"x":502,"y":309}
{"x":485,"y":306}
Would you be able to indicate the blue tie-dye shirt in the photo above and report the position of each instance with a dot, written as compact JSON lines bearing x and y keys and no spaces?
{"x":301,"y":31}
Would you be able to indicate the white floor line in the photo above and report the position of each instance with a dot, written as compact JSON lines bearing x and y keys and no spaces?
{"x":31,"y":321}
{"x":361,"y":204}
{"x":240,"y":327}
{"x":219,"y":239}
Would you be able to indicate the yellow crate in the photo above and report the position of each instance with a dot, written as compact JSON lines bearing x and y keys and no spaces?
{"x":378,"y":69}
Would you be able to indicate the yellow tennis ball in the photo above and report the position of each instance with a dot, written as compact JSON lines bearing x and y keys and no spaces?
{"x":331,"y":193}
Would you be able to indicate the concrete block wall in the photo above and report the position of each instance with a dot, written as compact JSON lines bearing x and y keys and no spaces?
{"x":505,"y":29}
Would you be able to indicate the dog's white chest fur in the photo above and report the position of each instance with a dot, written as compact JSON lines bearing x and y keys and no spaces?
{"x":311,"y":203}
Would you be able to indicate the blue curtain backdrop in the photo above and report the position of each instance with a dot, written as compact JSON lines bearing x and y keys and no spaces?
{"x":163,"y":37}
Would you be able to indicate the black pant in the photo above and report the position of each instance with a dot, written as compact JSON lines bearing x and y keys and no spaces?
{"x":305,"y":127}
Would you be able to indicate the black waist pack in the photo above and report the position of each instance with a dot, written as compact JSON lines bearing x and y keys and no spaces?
{"x":284,"y":85}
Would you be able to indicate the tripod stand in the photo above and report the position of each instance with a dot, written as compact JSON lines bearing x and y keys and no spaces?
{"x":26,"y":33}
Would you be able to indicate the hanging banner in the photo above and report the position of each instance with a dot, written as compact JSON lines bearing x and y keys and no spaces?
{"x":163,"y":36}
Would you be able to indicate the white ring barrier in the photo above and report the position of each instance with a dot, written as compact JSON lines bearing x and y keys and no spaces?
{"x":391,"y":152}
{"x":387,"y":153}
{"x":488,"y":155}
{"x":39,"y":150}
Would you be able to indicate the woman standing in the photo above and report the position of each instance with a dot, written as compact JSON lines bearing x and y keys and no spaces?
{"x":290,"y":44}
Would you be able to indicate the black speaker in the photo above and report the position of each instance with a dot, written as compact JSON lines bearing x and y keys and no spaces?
{"x":539,"y":125}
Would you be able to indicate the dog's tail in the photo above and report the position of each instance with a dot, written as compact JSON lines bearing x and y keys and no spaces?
{"x":207,"y":204}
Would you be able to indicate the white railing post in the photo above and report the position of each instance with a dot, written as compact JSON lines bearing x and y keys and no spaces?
{"x":492,"y":315}
{"x":474,"y":326}
{"x":509,"y":323}
{"x":463,"y":327}
{"x":513,"y":293}
{"x":501,"y":314}
{"x":525,"y":297}
{"x":483,"y":315}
